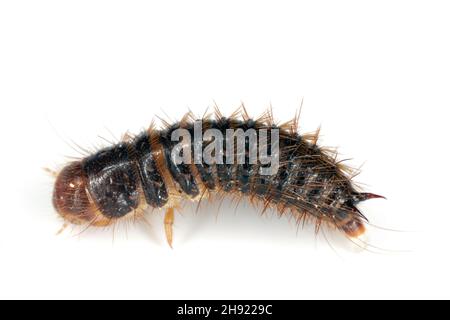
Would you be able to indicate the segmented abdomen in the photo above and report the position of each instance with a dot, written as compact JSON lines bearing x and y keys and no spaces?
{"x":123,"y":176}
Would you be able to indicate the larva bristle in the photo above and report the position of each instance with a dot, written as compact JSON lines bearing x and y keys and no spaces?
{"x":187,"y":119}
{"x":140,"y":172}
{"x":266,"y":118}
{"x":243,"y":112}
{"x":217,"y":113}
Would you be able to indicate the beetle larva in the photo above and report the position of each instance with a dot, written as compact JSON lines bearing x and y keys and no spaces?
{"x":121,"y":180}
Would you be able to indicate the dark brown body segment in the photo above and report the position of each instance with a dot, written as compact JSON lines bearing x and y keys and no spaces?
{"x":181,"y":173}
{"x":112,"y":180}
{"x":153,"y":185}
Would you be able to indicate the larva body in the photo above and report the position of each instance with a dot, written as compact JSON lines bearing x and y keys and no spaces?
{"x":122,"y":180}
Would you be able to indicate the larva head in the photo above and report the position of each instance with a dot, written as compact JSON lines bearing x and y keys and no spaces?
{"x":70,"y":195}
{"x":349,"y":219}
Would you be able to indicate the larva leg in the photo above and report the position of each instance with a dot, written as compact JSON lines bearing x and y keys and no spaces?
{"x":51,"y":172}
{"x":168,"y":224}
{"x":64,"y":226}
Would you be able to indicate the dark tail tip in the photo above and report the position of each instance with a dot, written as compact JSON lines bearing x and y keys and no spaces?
{"x":366,"y":196}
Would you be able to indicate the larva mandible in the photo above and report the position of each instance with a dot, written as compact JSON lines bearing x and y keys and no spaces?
{"x":122,"y":180}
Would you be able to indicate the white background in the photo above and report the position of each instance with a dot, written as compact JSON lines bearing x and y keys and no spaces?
{"x":375,"y":75}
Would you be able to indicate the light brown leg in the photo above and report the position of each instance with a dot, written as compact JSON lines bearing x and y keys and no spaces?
{"x":168,"y":223}
{"x":65,"y":225}
{"x":51,"y":172}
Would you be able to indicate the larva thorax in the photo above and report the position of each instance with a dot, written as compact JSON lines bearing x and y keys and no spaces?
{"x":125,"y":178}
